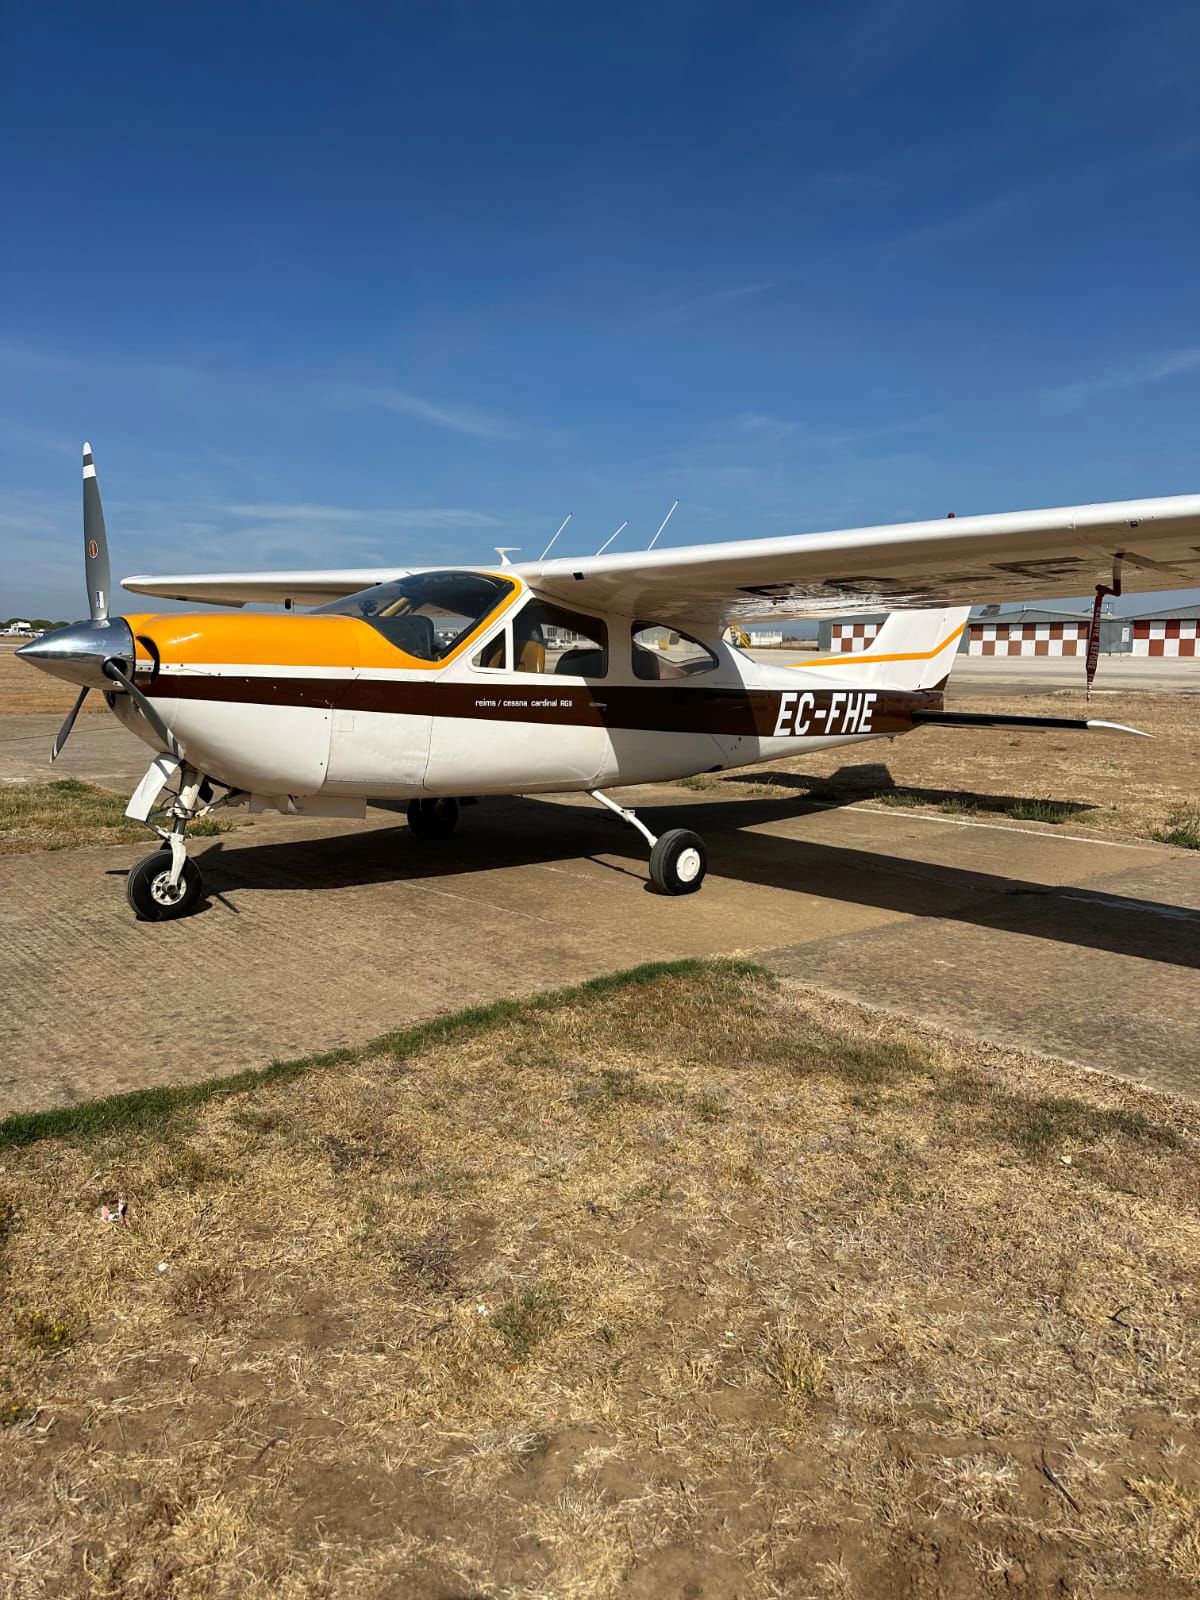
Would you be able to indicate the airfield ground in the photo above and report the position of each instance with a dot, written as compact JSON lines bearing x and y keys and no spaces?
{"x":701,"y":1286}
{"x":841,"y":1278}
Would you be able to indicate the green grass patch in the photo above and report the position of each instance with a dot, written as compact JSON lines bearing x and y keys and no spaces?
{"x":1040,"y":1126}
{"x":528,"y":1318}
{"x":961,"y":803}
{"x":161,"y":1110}
{"x":57,"y":815}
{"x":1182,"y":828}
{"x":68,"y":813}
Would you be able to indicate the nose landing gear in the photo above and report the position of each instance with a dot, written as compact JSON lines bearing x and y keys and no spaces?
{"x":168,"y":884}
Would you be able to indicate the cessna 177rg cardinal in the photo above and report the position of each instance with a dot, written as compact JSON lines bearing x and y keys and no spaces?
{"x":568,"y":674}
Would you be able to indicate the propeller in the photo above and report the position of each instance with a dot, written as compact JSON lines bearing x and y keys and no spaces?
{"x":64,"y":733}
{"x":114,"y":670}
{"x":98,"y":573}
{"x":96,"y":653}
{"x":95,"y":542}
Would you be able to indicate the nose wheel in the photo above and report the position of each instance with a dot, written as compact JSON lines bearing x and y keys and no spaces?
{"x":153,"y":895}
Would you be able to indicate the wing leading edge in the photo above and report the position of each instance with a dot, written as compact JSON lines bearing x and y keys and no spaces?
{"x":1017,"y":555}
{"x":272,"y":588}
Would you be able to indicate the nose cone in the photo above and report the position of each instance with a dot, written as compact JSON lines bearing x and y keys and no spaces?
{"x":78,"y":653}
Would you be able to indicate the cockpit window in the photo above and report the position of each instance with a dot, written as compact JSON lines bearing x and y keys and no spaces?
{"x":428,"y":614}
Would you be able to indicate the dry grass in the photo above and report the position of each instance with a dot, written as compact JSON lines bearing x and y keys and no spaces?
{"x":1092,"y":780}
{"x":62,"y":815}
{"x":27,"y":692}
{"x":68,"y":813}
{"x":698,"y":1287}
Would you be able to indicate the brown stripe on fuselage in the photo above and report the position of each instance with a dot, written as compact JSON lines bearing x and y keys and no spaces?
{"x":661,"y":708}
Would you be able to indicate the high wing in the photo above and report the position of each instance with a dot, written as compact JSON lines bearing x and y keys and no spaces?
{"x":1017,"y":555}
{"x":242,"y":588}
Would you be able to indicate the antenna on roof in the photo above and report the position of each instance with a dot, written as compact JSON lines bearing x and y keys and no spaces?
{"x":662,"y":525}
{"x":561,"y":526}
{"x":612,"y":536}
{"x":502,"y":551}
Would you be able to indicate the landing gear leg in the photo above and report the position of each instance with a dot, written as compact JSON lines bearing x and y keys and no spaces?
{"x":433,"y":819}
{"x":678,"y":859}
{"x":160,"y":889}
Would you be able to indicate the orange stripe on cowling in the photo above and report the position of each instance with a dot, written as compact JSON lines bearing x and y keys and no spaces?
{"x":857,"y":657}
{"x":214,"y":638}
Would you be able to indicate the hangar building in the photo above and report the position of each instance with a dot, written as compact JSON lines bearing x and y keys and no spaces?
{"x":1042,"y":631}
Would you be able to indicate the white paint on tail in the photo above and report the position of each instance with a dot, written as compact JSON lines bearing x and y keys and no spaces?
{"x":912,"y":650}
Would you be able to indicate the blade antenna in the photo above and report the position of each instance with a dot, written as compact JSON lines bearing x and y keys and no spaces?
{"x":560,"y":528}
{"x":662,"y":525}
{"x":612,"y":536}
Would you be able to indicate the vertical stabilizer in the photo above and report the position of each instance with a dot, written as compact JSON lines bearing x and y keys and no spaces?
{"x":912,"y":650}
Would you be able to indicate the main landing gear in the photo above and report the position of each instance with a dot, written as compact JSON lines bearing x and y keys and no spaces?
{"x":167,"y":884}
{"x":433,"y":819}
{"x":678,"y":859}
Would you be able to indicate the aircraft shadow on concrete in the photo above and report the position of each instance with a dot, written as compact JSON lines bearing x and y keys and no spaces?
{"x":850,"y":786}
{"x":515,"y":833}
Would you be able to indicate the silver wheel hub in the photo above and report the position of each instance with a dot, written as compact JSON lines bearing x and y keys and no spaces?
{"x":687,"y":865}
{"x":164,"y":891}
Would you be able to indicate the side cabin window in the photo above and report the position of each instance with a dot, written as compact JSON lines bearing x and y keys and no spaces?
{"x":549,"y":639}
{"x":428,"y":614}
{"x":494,"y":655}
{"x":661,"y":653}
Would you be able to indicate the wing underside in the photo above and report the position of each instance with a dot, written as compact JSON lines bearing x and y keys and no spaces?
{"x":1028,"y":555}
{"x":1022,"y":555}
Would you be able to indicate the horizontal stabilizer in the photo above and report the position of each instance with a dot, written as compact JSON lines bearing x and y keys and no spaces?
{"x":985,"y":719}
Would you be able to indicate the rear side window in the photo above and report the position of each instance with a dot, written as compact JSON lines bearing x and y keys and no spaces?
{"x":662,"y":653}
{"x":566,"y":644}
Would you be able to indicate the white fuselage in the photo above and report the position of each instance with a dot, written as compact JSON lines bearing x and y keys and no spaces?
{"x":468,"y":729}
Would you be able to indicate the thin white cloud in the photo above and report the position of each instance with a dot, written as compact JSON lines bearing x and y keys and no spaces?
{"x":1074,"y":396}
{"x":458,"y":419}
{"x":187,"y":384}
{"x":349,"y":516}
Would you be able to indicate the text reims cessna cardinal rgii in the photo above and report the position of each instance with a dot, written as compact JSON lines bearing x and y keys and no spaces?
{"x":429,"y":685}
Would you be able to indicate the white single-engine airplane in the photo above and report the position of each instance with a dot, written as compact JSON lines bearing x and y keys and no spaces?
{"x":429,"y":685}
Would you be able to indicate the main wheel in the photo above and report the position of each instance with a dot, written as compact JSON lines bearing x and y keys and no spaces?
{"x":432,"y":819}
{"x":154,"y":898}
{"x":678,"y":862}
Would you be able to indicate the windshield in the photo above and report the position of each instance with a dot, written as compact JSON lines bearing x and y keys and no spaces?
{"x":428,"y":614}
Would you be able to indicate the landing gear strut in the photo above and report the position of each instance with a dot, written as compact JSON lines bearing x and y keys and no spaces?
{"x":433,"y":819}
{"x":167,"y":884}
{"x":678,"y":859}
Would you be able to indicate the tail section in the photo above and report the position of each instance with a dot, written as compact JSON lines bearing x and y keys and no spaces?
{"x":912,"y":650}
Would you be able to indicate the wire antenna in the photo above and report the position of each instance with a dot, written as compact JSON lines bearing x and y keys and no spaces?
{"x":662,"y":525}
{"x":560,"y":528}
{"x":612,"y":536}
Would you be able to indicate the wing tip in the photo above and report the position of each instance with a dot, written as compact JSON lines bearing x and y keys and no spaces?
{"x":1118,"y":727}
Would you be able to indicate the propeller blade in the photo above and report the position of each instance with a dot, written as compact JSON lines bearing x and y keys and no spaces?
{"x":64,"y":733}
{"x":112,"y":669}
{"x":95,"y":542}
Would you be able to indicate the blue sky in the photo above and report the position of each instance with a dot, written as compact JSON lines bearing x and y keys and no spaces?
{"x":330,"y":285}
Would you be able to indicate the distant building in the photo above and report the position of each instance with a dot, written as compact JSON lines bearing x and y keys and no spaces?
{"x":1031,"y":632}
{"x":1044,"y":631}
{"x":1165,"y":633}
{"x":765,"y":638}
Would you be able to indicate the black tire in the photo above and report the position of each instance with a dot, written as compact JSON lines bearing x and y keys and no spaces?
{"x":147,"y":888}
{"x":678,"y":862}
{"x":433,"y":819}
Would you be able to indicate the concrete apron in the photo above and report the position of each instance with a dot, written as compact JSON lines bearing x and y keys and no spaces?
{"x":318,"y":934}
